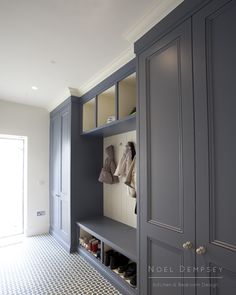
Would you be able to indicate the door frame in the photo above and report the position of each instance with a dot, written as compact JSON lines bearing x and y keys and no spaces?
{"x":25,"y":174}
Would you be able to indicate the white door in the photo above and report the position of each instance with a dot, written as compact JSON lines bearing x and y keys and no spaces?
{"x":11,"y":186}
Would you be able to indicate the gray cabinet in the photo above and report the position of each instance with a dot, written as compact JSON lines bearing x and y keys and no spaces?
{"x":214,"y":44}
{"x":166,"y":146}
{"x":187,"y":143}
{"x":60,"y":175}
{"x":75,"y":164}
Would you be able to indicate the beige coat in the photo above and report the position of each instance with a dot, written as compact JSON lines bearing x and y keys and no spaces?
{"x":124,"y":163}
{"x":131,"y":179}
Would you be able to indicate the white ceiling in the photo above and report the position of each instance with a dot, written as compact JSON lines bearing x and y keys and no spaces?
{"x":61,"y":44}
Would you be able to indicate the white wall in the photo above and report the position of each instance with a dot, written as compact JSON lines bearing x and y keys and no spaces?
{"x":33,"y":122}
{"x":117,"y":204}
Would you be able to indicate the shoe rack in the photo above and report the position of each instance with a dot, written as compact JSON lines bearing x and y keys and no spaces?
{"x":99,"y":236}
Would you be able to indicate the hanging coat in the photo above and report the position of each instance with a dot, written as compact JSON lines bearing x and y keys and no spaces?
{"x":126,"y":160}
{"x":131,"y":179}
{"x":107,"y":173}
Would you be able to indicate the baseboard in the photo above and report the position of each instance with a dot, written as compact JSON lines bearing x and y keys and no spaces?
{"x":65,"y":245}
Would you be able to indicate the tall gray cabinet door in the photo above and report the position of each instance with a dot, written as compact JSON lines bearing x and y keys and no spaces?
{"x":65,"y":176}
{"x":166,"y":154}
{"x":55,"y":150}
{"x":214,"y":31}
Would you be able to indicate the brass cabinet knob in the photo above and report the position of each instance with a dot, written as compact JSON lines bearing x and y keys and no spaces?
{"x":188,"y":245}
{"x":201,"y":250}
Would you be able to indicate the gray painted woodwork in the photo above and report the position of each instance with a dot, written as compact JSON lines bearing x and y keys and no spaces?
{"x":54,"y":172}
{"x":60,"y":176}
{"x":187,"y":185}
{"x":64,"y":177}
{"x":214,"y":31}
{"x":75,"y":164}
{"x":166,"y":175}
{"x":120,"y":126}
{"x":117,"y":235}
{"x":109,"y":274}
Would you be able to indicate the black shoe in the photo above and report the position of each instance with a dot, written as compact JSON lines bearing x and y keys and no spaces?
{"x":133,"y":111}
{"x":114,"y":260}
{"x":133,"y":281}
{"x":117,"y":260}
{"x":122,"y":268}
{"x":123,"y":260}
{"x":131,"y":270}
{"x":107,"y":257}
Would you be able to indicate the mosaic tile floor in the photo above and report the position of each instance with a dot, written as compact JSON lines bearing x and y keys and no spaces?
{"x":39,"y":265}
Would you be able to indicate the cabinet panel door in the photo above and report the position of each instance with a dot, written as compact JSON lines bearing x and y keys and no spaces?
{"x":55,"y":150}
{"x":65,"y":175}
{"x":166,"y":155}
{"x":214,"y":29}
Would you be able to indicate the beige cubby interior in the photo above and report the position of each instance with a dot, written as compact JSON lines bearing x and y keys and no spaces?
{"x":106,"y":105}
{"x":83,"y":234}
{"x":89,"y":109}
{"x":127,"y":95}
{"x":117,"y":204}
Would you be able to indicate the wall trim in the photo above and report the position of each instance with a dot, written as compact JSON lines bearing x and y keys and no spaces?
{"x":152,"y":16}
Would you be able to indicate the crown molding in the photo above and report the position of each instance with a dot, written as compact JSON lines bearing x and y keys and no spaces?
{"x":115,"y":65}
{"x":152,"y":16}
{"x":59,"y":100}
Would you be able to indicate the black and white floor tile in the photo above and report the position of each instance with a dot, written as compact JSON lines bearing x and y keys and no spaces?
{"x":40,"y":266}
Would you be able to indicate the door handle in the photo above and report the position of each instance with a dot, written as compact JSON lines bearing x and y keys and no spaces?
{"x":201,"y":250}
{"x":188,"y":245}
{"x":57,"y":195}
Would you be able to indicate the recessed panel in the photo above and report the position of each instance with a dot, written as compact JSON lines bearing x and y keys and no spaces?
{"x":221,"y":60}
{"x":222,"y":282}
{"x":164,"y":273}
{"x":165,"y":146}
{"x":55,"y":150}
{"x":65,"y":154}
{"x":65,"y":223}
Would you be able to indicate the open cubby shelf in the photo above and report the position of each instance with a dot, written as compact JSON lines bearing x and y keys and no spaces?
{"x":113,"y":110}
{"x":117,"y":235}
{"x":116,"y":127}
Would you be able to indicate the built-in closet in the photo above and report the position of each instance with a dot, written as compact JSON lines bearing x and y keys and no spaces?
{"x":71,"y":172}
{"x":186,"y":126}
